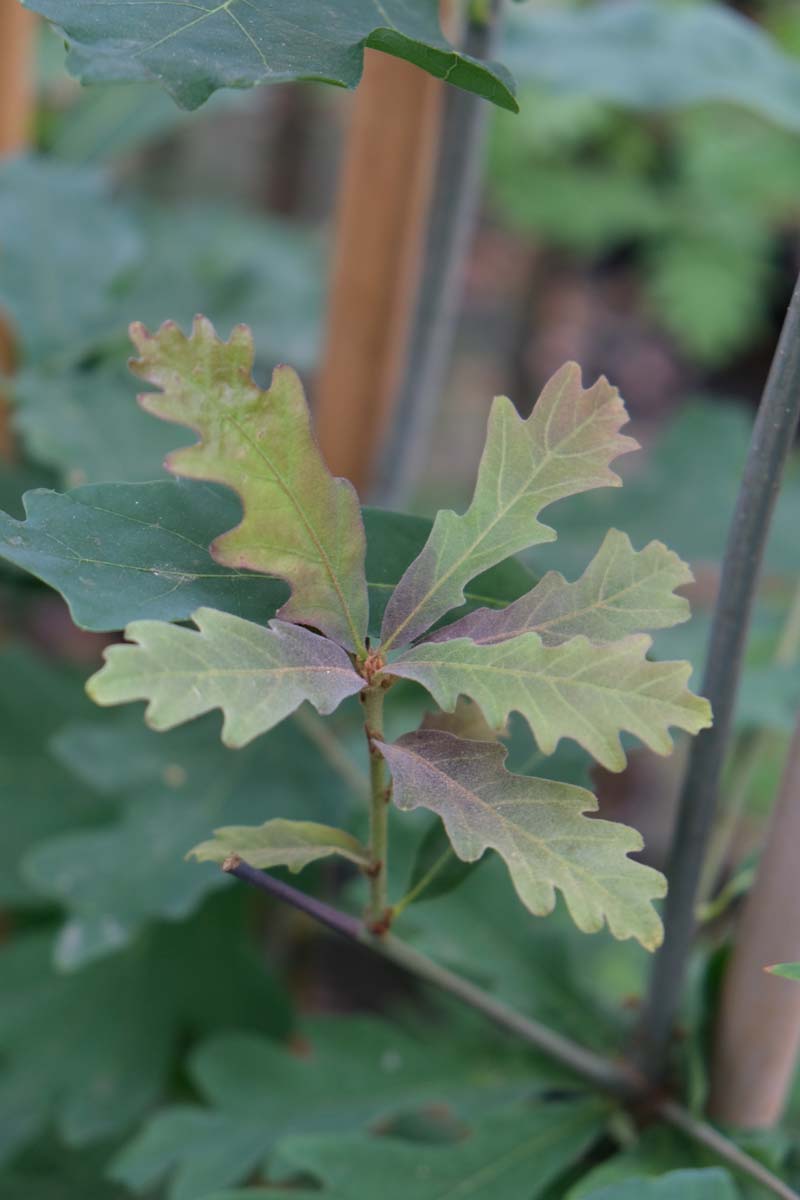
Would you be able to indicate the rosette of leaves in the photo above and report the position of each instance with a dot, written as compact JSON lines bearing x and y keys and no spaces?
{"x":570,"y":657}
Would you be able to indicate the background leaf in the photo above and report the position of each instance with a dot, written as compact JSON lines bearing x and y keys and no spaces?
{"x":677,"y":1185}
{"x":169,"y":791}
{"x":38,"y":799}
{"x":359,"y":1071}
{"x":644,"y":54}
{"x":516,"y":1151}
{"x":95,"y":1078}
{"x":564,"y":447}
{"x":537,"y":826}
{"x":227,"y":47}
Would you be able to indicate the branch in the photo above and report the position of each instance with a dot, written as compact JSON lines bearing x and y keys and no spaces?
{"x":771,"y":442}
{"x":618,"y":1078}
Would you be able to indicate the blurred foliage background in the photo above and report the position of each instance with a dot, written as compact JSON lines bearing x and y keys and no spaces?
{"x":629,"y":220}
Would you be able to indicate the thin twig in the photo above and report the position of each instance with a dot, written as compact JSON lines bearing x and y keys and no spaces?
{"x":617,"y":1078}
{"x":771,"y":442}
{"x":706,"y":1135}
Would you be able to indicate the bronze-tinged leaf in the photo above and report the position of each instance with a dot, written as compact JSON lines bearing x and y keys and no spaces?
{"x":564,"y":447}
{"x":299,"y":523}
{"x":281,"y":843}
{"x":579,"y":689}
{"x":256,"y":675}
{"x":538,"y":827}
{"x":622,"y":591}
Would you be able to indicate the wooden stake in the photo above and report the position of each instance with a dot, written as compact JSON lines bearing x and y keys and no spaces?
{"x":758,"y":1030}
{"x":17,"y":30}
{"x":383,"y":204}
{"x":17,"y":34}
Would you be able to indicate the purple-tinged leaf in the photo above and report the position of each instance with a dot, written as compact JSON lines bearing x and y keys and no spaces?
{"x":622,"y":591}
{"x":564,"y":447}
{"x":537,"y":826}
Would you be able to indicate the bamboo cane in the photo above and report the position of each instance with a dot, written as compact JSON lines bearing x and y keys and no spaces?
{"x":17,"y":31}
{"x":383,"y":205}
{"x":758,"y":1029}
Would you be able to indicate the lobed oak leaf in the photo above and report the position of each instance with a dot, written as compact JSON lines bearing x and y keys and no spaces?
{"x":539,"y":828}
{"x":256,"y":675}
{"x":299,"y":522}
{"x":565,"y":446}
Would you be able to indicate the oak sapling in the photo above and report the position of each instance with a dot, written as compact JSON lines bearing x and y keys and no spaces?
{"x":571,"y":658}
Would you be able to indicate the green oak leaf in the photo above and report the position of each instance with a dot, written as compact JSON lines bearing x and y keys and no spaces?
{"x":710,"y":1184}
{"x":517,"y":1151}
{"x":785,"y":970}
{"x":564,"y":447}
{"x":537,"y":826}
{"x":581,"y":690}
{"x":299,"y":522}
{"x":257,"y":676}
{"x":622,"y":591}
{"x":125,"y":552}
{"x":359,"y":1071}
{"x":281,"y":843}
{"x":193,"y":52}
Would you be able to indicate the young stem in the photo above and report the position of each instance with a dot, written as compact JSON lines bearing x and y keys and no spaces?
{"x":426,"y":880}
{"x":771,"y":442}
{"x":378,"y":807}
{"x":617,"y":1078}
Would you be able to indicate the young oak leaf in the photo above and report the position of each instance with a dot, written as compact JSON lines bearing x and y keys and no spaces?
{"x":299,"y":522}
{"x":581,"y":690}
{"x":281,"y":843}
{"x":256,"y":675}
{"x":564,"y":447}
{"x":537,"y":826}
{"x":622,"y":591}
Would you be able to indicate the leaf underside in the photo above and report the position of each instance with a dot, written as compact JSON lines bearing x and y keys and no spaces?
{"x":281,"y":843}
{"x":192,"y":50}
{"x":299,"y":523}
{"x":538,"y":827}
{"x":563,"y":448}
{"x":622,"y":591}
{"x":579,"y":689}
{"x":256,"y":675}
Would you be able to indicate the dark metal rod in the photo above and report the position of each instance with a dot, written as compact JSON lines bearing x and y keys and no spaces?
{"x":772,"y":439}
